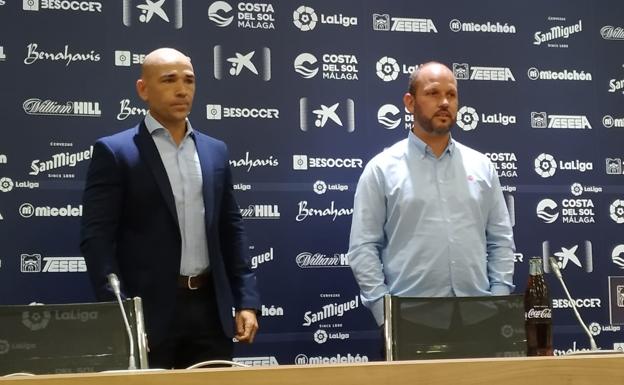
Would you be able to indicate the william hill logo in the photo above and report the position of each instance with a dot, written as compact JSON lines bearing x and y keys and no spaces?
{"x":260,"y":212}
{"x":36,"y":106}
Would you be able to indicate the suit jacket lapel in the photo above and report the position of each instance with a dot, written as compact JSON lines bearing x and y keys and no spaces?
{"x":207,"y":168}
{"x":149,"y":153}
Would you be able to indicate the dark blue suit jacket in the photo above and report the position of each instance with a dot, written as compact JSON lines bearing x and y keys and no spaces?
{"x":130,"y":227}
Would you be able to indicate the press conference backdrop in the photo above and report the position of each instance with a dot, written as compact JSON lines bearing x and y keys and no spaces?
{"x":305,"y":93}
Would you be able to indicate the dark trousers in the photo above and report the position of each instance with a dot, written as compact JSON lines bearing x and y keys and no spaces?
{"x":196,"y":335}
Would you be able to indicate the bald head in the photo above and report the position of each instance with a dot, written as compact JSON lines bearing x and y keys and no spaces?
{"x":167,"y":85}
{"x":426,"y":70}
{"x":160,"y":57}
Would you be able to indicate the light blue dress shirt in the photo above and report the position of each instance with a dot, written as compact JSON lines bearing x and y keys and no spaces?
{"x":430,"y":227}
{"x":185,"y":177}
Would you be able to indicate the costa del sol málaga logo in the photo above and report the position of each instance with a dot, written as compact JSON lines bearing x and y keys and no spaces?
{"x":217,"y":12}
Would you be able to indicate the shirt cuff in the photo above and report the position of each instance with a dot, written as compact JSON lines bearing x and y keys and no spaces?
{"x":498,"y":289}
{"x":377,"y":308}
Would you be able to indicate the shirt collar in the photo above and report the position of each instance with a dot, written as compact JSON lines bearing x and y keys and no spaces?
{"x":154,"y":125}
{"x":424,"y":149}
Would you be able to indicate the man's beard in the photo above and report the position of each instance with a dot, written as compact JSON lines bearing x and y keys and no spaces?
{"x":428,"y":125}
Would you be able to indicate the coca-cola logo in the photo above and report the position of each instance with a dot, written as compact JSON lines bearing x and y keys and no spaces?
{"x":539,"y":313}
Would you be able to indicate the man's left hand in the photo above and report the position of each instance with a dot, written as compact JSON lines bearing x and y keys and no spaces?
{"x":246,"y":325}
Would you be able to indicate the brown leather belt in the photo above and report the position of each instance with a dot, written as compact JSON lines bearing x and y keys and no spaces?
{"x":193,"y":282}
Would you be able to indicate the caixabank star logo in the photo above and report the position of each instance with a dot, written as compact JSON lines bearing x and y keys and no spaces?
{"x":240,"y":63}
{"x":152,"y":12}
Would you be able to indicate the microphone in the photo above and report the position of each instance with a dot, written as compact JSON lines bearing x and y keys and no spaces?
{"x":555,"y":269}
{"x":113,"y":281}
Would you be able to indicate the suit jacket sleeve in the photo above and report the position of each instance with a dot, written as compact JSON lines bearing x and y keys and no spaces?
{"x":235,"y":249}
{"x":102,"y":200}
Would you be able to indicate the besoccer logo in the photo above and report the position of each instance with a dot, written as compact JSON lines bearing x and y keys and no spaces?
{"x":305,"y":18}
{"x":388,"y":116}
{"x":320,"y":336}
{"x":304,"y":65}
{"x":467,"y":118}
{"x":545,"y":165}
{"x":6,"y":184}
{"x":387,"y":69}
{"x":218,"y":12}
{"x":616,"y":210}
{"x":320,"y":187}
{"x":36,"y":320}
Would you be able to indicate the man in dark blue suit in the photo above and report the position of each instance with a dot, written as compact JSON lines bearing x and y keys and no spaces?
{"x":159,"y":212}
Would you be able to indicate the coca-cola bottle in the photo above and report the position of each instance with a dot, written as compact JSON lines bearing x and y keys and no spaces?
{"x":538,"y":312}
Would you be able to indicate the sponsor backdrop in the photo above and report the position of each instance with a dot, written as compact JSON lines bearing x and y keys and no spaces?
{"x":305,"y":93}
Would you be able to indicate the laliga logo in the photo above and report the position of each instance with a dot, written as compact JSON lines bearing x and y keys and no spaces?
{"x":543,"y":208}
{"x":320,"y":336}
{"x":616,"y":256}
{"x":215,"y":10}
{"x":467,"y":118}
{"x":320,"y":187}
{"x":576,"y":189}
{"x":387,"y":68}
{"x":6,"y":184}
{"x":300,"y":65}
{"x":594,"y":328}
{"x":305,"y":18}
{"x":388,"y":116}
{"x":616,"y":211}
{"x":545,"y":165}
{"x":36,"y":320}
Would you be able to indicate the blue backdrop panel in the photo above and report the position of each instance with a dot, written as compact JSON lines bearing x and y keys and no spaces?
{"x":540,"y":93}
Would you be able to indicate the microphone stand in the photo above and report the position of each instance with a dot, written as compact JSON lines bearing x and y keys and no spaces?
{"x":114,"y":282}
{"x":557,"y":272}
